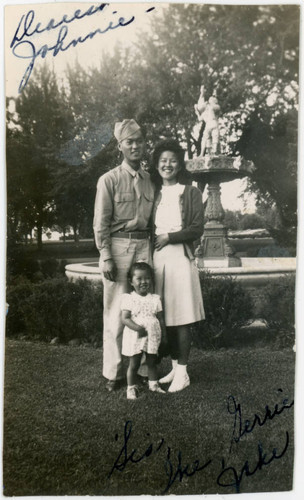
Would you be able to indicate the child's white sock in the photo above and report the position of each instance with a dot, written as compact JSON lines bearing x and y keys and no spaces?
{"x":154,"y":386}
{"x":152,"y":383}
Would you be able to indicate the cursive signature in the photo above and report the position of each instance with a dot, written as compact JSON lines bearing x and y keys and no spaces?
{"x":229,"y":477}
{"x":181,"y":470}
{"x":23,"y":48}
{"x":174,"y":473}
{"x":134,"y":457}
{"x":241,"y":428}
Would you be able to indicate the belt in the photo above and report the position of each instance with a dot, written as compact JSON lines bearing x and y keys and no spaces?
{"x":137,"y":235}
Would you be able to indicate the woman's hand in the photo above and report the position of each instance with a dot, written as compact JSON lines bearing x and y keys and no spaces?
{"x":161,"y":241}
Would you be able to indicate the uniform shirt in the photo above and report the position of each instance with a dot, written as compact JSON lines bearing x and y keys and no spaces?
{"x":123,"y":202}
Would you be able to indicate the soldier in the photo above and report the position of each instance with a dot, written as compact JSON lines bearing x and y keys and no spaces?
{"x":123,"y":206}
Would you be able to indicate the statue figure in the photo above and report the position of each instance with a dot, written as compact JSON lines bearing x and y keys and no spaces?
{"x":208,"y":111}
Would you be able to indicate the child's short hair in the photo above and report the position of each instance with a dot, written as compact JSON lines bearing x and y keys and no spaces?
{"x":142,"y":266}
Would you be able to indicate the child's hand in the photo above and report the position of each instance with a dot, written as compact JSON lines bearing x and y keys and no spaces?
{"x":142,"y":332}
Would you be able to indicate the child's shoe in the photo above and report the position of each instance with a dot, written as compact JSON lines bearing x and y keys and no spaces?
{"x":132,"y":392}
{"x":154,"y":387}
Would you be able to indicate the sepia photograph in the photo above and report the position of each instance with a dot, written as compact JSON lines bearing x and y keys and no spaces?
{"x":151,"y":214}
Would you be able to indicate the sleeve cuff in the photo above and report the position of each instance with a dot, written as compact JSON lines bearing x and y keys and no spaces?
{"x":105,"y":254}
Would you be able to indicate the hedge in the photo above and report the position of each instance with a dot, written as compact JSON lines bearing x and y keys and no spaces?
{"x":57,"y":307}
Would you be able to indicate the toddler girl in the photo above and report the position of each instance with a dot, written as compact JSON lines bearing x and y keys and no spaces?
{"x":144,"y":326}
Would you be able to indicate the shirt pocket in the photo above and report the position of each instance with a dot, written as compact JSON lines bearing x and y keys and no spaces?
{"x":124,"y":206}
{"x":148,"y":198}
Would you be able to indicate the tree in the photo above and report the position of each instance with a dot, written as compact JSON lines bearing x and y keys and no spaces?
{"x":273,"y":149}
{"x":39,"y":128}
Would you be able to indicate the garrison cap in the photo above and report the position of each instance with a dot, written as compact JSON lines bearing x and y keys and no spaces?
{"x":125,"y":129}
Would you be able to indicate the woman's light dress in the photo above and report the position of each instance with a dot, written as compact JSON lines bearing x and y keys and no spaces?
{"x":176,"y":276}
{"x":143,"y":312}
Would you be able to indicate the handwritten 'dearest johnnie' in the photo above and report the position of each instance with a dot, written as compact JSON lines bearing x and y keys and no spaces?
{"x":23,"y":46}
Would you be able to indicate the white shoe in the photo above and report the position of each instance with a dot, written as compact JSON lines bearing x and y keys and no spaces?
{"x":167,"y":378}
{"x":132,"y":392}
{"x":154,"y":387}
{"x":179,"y":383}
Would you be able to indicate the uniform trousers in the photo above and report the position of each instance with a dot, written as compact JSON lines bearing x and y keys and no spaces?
{"x":124,"y":252}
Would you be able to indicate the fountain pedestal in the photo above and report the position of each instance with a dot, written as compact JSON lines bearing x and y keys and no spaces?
{"x":215,"y":250}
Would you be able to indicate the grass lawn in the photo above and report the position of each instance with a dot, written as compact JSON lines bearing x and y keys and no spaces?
{"x":63,"y":433}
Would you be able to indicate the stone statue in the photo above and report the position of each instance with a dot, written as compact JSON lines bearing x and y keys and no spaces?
{"x":208,"y":111}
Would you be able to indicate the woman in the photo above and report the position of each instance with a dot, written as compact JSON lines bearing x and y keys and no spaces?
{"x":178,"y":222}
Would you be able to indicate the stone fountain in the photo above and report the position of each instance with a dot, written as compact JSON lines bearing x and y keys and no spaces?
{"x":214,"y":168}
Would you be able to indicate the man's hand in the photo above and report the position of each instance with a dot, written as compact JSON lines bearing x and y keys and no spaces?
{"x":161,"y":241}
{"x":110,"y":270}
{"x":142,"y":332}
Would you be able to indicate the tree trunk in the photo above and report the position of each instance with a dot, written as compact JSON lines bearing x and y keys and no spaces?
{"x":39,"y":237}
{"x":76,"y":235}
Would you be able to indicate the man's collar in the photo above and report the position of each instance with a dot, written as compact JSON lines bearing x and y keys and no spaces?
{"x":131,"y":170}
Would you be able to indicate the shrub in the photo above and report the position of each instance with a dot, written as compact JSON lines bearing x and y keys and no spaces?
{"x":49,"y":267}
{"x":252,"y":221}
{"x":55,"y":307}
{"x":17,"y":293}
{"x":279,"y":307}
{"x":227,"y":306}
{"x":232,"y":219}
{"x":91,"y":312}
{"x":20,"y":264}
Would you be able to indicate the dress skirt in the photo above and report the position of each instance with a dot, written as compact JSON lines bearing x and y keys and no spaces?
{"x":177,"y":282}
{"x":144,"y":311}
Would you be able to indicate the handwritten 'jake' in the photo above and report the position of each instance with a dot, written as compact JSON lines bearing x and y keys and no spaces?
{"x":23,"y":48}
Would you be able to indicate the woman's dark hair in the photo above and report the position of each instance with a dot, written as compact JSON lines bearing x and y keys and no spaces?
{"x":183,"y":177}
{"x":142,"y":266}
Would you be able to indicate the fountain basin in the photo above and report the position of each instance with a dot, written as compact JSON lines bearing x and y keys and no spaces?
{"x":219,"y":168}
{"x":254,"y":271}
{"x":254,"y":274}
